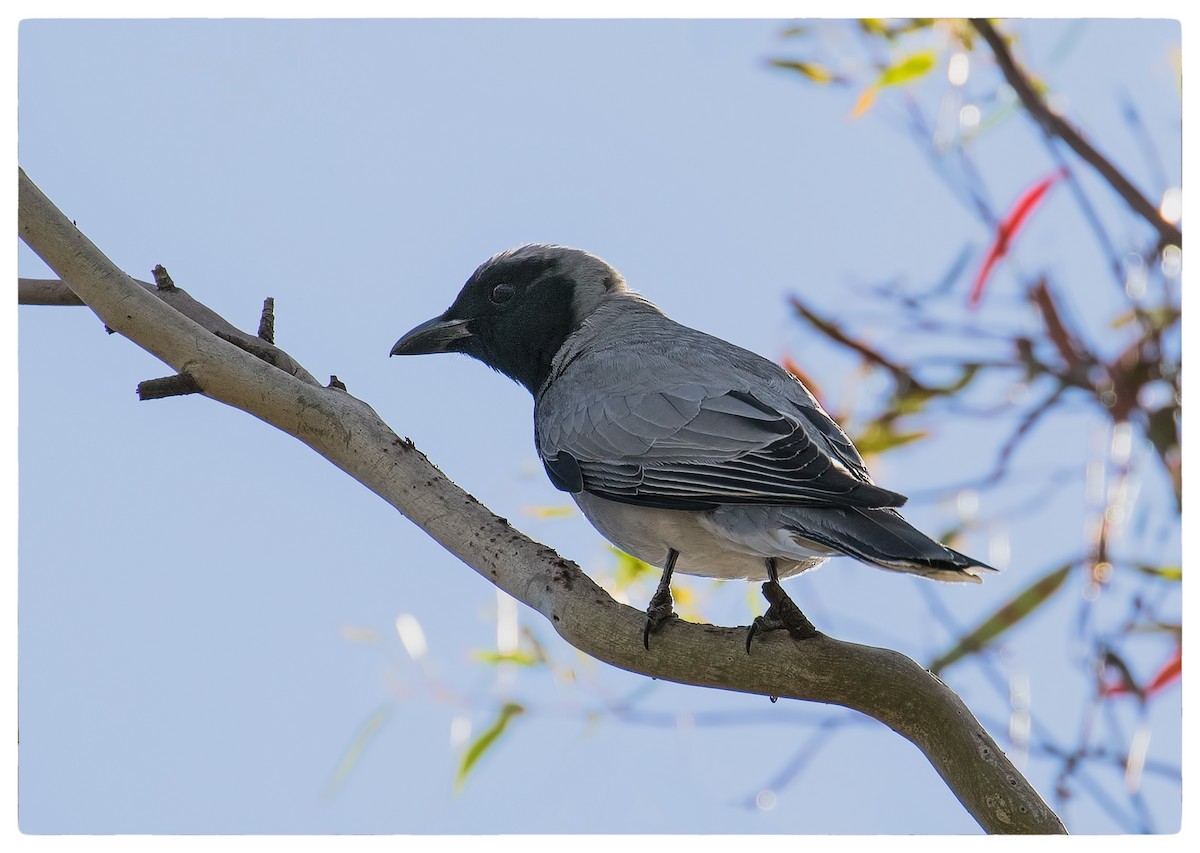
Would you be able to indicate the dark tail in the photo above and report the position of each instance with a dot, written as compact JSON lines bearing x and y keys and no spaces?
{"x":883,"y":538}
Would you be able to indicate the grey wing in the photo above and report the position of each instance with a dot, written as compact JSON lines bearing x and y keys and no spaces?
{"x":691,"y":446}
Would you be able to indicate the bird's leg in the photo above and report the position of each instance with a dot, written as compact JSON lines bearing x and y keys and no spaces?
{"x":782,"y":612}
{"x":660,"y":603}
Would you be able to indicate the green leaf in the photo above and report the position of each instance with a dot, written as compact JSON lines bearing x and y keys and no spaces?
{"x":518,"y":657}
{"x":917,"y":24}
{"x":1035,"y":595}
{"x":880,"y":437}
{"x":811,"y":70}
{"x":882,"y":27}
{"x":1166,"y":573}
{"x":357,"y":746}
{"x":1158,"y":318}
{"x":912,"y":401}
{"x":970,"y":371}
{"x":630,"y":568}
{"x":485,"y":741}
{"x":908,"y":69}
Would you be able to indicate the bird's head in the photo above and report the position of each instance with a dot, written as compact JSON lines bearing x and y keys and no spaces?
{"x":517,"y":309}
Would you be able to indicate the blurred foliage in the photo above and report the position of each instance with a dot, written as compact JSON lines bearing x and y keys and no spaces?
{"x":486,"y":740}
{"x":905,"y":70}
{"x":358,"y":746}
{"x":1125,"y":372}
{"x":1021,"y":605}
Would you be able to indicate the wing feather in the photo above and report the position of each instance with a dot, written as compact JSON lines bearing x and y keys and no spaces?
{"x":691,"y":447}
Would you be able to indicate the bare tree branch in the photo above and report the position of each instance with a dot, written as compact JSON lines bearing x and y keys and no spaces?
{"x":1056,"y":125}
{"x":41,"y":291}
{"x":877,"y":682}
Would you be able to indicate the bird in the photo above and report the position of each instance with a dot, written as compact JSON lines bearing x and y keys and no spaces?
{"x":685,"y":451}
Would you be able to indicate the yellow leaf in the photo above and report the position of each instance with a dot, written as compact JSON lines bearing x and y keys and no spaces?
{"x":1167,"y":573}
{"x":864,"y":101}
{"x":560,"y":511}
{"x":518,"y":657}
{"x":811,"y":70}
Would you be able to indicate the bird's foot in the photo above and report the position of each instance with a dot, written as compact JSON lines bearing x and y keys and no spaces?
{"x":661,"y":609}
{"x":783,"y":613}
{"x":662,"y":606}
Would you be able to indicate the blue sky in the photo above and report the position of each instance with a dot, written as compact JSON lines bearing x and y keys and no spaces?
{"x":195,"y":589}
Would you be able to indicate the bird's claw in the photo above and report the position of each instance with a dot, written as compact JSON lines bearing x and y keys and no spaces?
{"x":661,"y":608}
{"x":783,"y":613}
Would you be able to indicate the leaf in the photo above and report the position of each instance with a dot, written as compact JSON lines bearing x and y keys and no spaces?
{"x":630,"y":568}
{"x":358,"y":635}
{"x":864,"y":101}
{"x":970,"y":370}
{"x":880,"y":437}
{"x":1175,"y":629}
{"x":1167,"y":573}
{"x":908,"y":69}
{"x":685,"y":601}
{"x":912,"y":400}
{"x":881,"y":27}
{"x":1007,"y":230}
{"x":518,"y":657}
{"x":1168,"y":673}
{"x":811,"y":70}
{"x":1159,"y":318}
{"x":561,"y":511}
{"x":485,"y":741}
{"x":905,"y":71}
{"x":357,"y":746}
{"x":1027,"y":601}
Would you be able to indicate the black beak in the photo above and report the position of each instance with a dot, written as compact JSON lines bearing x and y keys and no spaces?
{"x":436,"y":335}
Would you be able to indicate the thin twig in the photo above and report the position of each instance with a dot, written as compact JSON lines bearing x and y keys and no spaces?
{"x":266,"y":322}
{"x":903,"y":376}
{"x":1027,"y":423}
{"x":43,"y":291}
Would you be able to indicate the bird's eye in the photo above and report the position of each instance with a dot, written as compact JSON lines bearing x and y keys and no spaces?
{"x":502,"y":292}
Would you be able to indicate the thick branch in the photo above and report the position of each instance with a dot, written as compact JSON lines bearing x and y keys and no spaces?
{"x":1055,"y":125}
{"x":881,"y":683}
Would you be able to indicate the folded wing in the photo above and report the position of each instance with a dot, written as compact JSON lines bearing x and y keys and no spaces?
{"x":692,"y":446}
